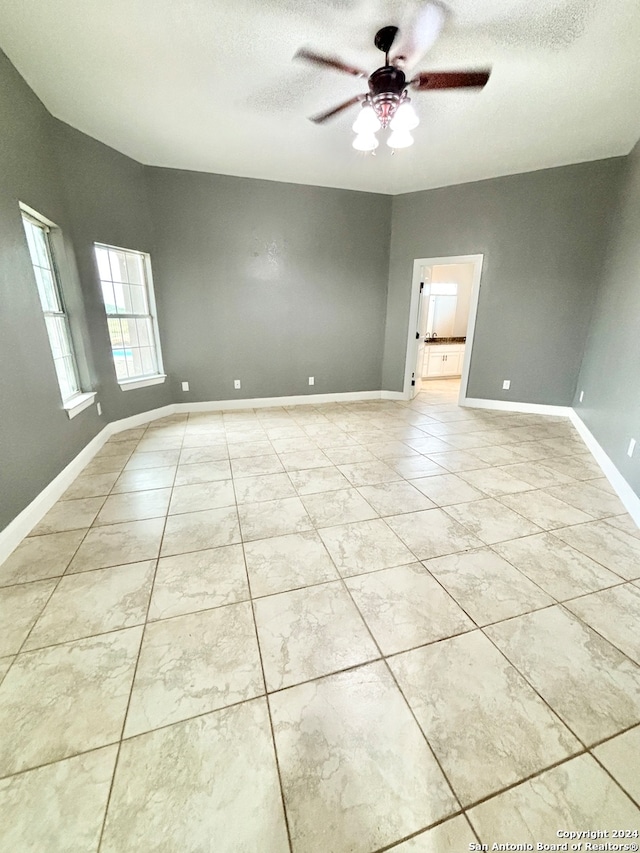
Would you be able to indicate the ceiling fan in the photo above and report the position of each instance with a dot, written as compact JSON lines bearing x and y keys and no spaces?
{"x":387,"y":103}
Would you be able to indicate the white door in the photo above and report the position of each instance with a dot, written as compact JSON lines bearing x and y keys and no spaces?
{"x":419,"y":266}
{"x":421,"y":330}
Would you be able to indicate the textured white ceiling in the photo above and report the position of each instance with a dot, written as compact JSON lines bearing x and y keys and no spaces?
{"x":211,"y":86}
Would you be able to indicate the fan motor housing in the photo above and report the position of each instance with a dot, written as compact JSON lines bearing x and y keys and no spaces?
{"x":386,"y":87}
{"x":387,"y":79}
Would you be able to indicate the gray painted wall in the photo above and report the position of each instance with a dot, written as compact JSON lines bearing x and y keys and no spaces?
{"x":610,"y":374}
{"x":105,"y":194}
{"x":106,"y":200}
{"x":543,"y":236}
{"x":37,"y":439}
{"x":269,"y":283}
{"x":300,"y":271}
{"x":272,"y":283}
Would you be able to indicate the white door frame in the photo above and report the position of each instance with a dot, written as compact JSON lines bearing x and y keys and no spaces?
{"x":412,"y":344}
{"x":423,"y":296}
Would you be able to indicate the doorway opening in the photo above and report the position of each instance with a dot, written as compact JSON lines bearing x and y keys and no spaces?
{"x":442,"y":317}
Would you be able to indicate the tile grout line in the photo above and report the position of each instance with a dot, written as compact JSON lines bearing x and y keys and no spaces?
{"x":133,"y":520}
{"x":500,"y":791}
{"x":480,"y":628}
{"x":634,"y":800}
{"x":388,"y":848}
{"x":41,"y":611}
{"x":613,"y":736}
{"x":260,"y":656}
{"x":541,"y":531}
{"x":135,"y":736}
{"x":363,"y":621}
{"x":589,"y":627}
{"x":527,"y":681}
{"x":26,"y":770}
{"x":561,"y":602}
{"x":268,"y":704}
{"x":131,"y":688}
{"x":406,"y":701}
{"x":510,"y":663}
{"x":576,"y":548}
{"x":403,"y":479}
{"x":586,"y":749}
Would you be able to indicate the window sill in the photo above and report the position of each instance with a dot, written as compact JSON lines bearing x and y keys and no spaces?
{"x":143,"y":382}
{"x":79,"y":403}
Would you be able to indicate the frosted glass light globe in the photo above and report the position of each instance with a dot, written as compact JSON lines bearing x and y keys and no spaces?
{"x":405,"y":118}
{"x":400,"y":139}
{"x":367,"y":122}
{"x":365,"y":142}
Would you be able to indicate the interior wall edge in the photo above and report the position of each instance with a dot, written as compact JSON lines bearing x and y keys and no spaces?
{"x":617,"y":480}
{"x":27,"y":519}
{"x":291,"y":400}
{"x":608,"y":379}
{"x":623,"y":489}
{"x":515,"y":406}
{"x":71,"y":176}
{"x":543,"y":235}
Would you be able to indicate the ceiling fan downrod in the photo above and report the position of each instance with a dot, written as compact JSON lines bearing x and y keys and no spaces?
{"x":383,"y":40}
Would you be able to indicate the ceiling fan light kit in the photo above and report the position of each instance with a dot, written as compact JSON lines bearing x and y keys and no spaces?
{"x":387,"y":103}
{"x":400,"y":139}
{"x":365,"y":142}
{"x":400,"y":118}
{"x":405,"y":118}
{"x":367,"y":121}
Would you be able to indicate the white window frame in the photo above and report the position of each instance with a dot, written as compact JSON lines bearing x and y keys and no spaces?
{"x":159,"y":376}
{"x":79,"y":400}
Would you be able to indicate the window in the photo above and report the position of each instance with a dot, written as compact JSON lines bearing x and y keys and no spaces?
{"x":442,"y":288}
{"x":127,"y":290}
{"x":38,"y":239}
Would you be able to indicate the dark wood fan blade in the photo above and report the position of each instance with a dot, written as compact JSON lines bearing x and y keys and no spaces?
{"x":329,"y":62}
{"x":331,"y":113}
{"x":450,"y":80}
{"x":419,"y":34}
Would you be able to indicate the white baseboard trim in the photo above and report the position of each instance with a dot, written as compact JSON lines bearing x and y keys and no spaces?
{"x":141,"y":419}
{"x":524,"y":408}
{"x":24,"y":523}
{"x":295,"y":400}
{"x":624,"y":491}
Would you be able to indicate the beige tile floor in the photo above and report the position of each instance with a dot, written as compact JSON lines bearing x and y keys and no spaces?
{"x":343,"y":628}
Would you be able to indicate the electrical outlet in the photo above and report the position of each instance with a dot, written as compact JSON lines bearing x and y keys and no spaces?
{"x":506,"y":385}
{"x":581,"y":396}
{"x":236,"y":384}
{"x":185,"y":386}
{"x":312,"y":380}
{"x":99,"y":408}
{"x":632,"y":447}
